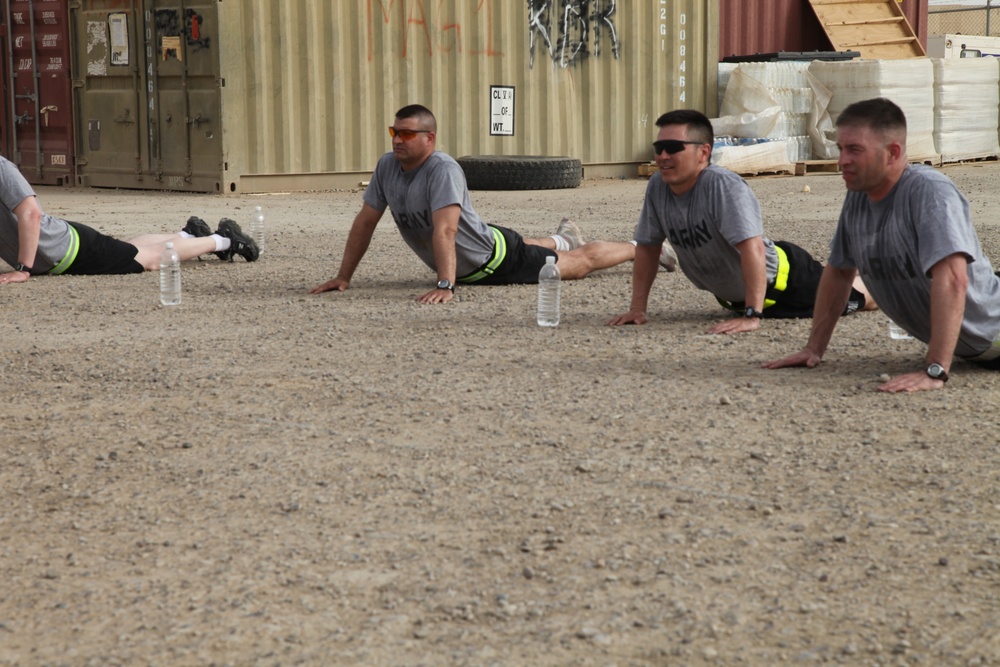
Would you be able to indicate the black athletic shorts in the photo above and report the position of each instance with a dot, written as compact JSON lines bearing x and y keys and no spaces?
{"x":100,"y":254}
{"x":519,"y":262}
{"x":801,"y":276}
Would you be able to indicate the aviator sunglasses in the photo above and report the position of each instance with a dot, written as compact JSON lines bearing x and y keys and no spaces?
{"x":405,"y":135}
{"x":672,"y":146}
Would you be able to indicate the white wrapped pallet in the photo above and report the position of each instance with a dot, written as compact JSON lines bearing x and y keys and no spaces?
{"x":907,"y":82}
{"x":725,"y":71}
{"x":788,"y":87}
{"x":966,"y":108}
{"x":768,"y":157}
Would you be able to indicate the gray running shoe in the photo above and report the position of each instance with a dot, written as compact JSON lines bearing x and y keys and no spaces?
{"x":668,"y":258}
{"x":570,"y":231}
{"x":197,"y":227}
{"x":240,"y":243}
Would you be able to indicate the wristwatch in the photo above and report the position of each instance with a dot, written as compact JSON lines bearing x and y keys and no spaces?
{"x":446,"y":284}
{"x":21,"y":267}
{"x":751,"y":312}
{"x":937,"y":372}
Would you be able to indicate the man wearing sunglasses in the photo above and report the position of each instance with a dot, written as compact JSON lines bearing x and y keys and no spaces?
{"x":907,"y":230}
{"x":426,"y":191}
{"x":713,"y":221}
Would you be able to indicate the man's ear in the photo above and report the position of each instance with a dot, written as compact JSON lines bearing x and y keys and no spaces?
{"x":895,"y":150}
{"x":706,"y":152}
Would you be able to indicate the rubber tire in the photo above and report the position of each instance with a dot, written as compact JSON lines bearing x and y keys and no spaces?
{"x":520,"y":172}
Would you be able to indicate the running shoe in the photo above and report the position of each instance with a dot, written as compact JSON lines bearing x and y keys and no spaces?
{"x":197,"y":227}
{"x":668,"y":258}
{"x":240,"y":244}
{"x":570,"y":231}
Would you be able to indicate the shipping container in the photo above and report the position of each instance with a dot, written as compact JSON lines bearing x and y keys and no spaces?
{"x":37,"y":132}
{"x":763,"y":26}
{"x":258,"y":95}
{"x":148,"y":97}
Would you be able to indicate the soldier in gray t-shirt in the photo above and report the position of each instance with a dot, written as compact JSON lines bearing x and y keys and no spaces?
{"x":426,"y":192}
{"x":906,"y":229}
{"x":36,"y":243}
{"x":713,"y":222}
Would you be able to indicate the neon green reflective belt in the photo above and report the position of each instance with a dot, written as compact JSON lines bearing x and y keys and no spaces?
{"x":781,"y":277}
{"x":499,"y":253}
{"x":780,"y":280}
{"x":70,"y":256}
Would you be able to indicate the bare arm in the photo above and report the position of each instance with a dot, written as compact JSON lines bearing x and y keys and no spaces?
{"x":358,"y":240}
{"x":445,"y":229}
{"x":644,"y":269}
{"x":753,"y":264}
{"x":29,"y":228}
{"x":949,"y":282}
{"x":831,"y":299}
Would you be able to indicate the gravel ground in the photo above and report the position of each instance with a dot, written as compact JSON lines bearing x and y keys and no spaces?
{"x":265,"y":477}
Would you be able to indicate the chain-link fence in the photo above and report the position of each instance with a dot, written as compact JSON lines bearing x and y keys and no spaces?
{"x":965,"y":19}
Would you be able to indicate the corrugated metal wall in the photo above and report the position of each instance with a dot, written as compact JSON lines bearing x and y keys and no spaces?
{"x":311,"y":85}
{"x":766,"y":26}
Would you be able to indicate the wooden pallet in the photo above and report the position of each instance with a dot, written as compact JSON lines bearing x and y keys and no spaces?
{"x":966,"y":160}
{"x":816,"y":167}
{"x":648,"y":169}
{"x":876,"y":28}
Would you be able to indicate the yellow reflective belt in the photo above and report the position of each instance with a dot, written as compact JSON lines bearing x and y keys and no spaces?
{"x":780,"y":281}
{"x":70,"y":256}
{"x":781,"y":277}
{"x":499,"y":253}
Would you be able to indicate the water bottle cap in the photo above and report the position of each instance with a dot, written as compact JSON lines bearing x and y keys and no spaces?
{"x":170,"y":244}
{"x":550,"y":260}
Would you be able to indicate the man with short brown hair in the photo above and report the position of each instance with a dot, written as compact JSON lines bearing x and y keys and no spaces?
{"x":907,"y":230}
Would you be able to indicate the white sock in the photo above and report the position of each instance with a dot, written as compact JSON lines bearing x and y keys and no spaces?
{"x":185,"y":235}
{"x":562,"y":245}
{"x":221,"y":242}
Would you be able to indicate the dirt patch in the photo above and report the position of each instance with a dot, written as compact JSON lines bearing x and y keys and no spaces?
{"x":262,"y":476}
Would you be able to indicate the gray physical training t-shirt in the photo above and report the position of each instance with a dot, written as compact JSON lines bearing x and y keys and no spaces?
{"x":54,"y":239}
{"x":894,"y":242}
{"x":413,"y":196}
{"x":703,"y":225}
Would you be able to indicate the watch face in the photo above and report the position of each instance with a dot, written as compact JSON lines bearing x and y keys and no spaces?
{"x":444,"y":284}
{"x":935,"y":370}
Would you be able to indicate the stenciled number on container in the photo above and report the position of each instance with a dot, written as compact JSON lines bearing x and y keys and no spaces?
{"x":664,"y":31}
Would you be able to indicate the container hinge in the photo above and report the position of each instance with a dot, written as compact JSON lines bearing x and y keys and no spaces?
{"x":125,"y":118}
{"x":23,"y":118}
{"x":197,"y":121}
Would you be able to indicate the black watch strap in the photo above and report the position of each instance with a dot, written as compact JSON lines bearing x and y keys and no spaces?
{"x":21,"y":267}
{"x":937,"y":372}
{"x":752,"y":312}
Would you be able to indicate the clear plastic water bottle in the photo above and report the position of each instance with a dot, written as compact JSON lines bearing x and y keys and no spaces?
{"x":549,"y":283}
{"x":897,"y":332}
{"x":170,"y":276}
{"x":257,"y":227}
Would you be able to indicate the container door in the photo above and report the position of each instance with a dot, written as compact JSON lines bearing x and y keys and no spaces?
{"x":149,"y":99}
{"x":183,"y":97}
{"x":39,"y":91}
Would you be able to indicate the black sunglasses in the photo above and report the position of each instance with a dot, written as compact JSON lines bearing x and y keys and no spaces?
{"x":672,"y":146}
